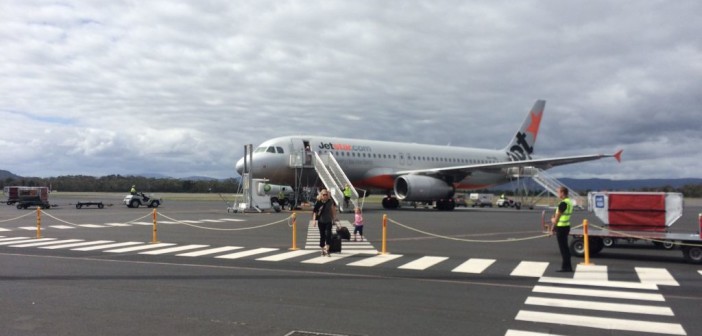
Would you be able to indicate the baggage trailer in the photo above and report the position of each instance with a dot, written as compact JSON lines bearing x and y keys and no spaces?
{"x":16,"y":193}
{"x":634,"y":216}
{"x":87,"y":204}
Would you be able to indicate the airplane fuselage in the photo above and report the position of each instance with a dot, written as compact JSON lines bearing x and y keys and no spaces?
{"x":369,"y":163}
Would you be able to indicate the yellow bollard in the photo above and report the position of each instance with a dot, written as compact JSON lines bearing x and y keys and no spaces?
{"x":294,"y":232}
{"x":385,"y":235}
{"x":38,"y":222}
{"x":586,"y":241}
{"x":154,"y":238}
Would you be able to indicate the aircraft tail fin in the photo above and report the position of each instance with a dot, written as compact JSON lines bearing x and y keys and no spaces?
{"x":522,"y":144}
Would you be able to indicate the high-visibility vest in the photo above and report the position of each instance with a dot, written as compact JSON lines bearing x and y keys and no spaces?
{"x":347,"y":191}
{"x":564,"y":220}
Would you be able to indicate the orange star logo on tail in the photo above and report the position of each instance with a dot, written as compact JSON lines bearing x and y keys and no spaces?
{"x":534,"y":125}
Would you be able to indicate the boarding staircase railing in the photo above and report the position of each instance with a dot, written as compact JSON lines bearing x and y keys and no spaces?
{"x":334,"y":179}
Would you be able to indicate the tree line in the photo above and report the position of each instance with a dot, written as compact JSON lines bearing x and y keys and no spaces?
{"x":119,"y":183}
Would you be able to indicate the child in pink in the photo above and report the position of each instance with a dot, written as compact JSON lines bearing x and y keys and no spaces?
{"x":358,"y":224}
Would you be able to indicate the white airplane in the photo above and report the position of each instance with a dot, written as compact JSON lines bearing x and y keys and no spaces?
{"x":408,"y":171}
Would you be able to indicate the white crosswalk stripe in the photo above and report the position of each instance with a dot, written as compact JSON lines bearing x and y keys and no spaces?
{"x":139,"y":248}
{"x":534,"y":269}
{"x":474,"y":265}
{"x":43,"y":243}
{"x":174,"y":249}
{"x":423,"y":263}
{"x":210,"y":251}
{"x":96,"y":242}
{"x":247,"y":253}
{"x":107,"y":225}
{"x":106,"y":246}
{"x":595,"y":308}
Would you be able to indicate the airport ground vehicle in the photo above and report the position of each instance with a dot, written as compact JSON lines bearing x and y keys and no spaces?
{"x":26,"y":197}
{"x":15,"y":193}
{"x":635,"y":216}
{"x":508,"y":203}
{"x":481,"y":200}
{"x":134,"y":201}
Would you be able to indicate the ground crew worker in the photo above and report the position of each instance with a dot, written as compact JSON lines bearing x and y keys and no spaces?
{"x":347,"y":196}
{"x":560,"y":222}
{"x":133,"y":190}
{"x":281,"y":197}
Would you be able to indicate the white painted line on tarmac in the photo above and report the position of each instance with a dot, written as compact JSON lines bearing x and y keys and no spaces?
{"x":62,"y":227}
{"x":659,"y":276}
{"x":288,"y":255}
{"x":474,"y":265}
{"x":599,"y":293}
{"x":597,"y":283}
{"x":591,"y":272}
{"x":247,"y":253}
{"x":210,"y":251}
{"x":324,"y":259}
{"x":14,"y":238}
{"x":47,"y":243}
{"x":139,"y":248}
{"x":92,"y":225}
{"x":603,"y":306}
{"x":26,"y":240}
{"x":512,"y":332}
{"x":95,"y":242}
{"x":174,"y":249}
{"x":101,"y":247}
{"x":534,"y":269}
{"x":423,"y":263}
{"x":602,"y":322}
{"x":376,"y":260}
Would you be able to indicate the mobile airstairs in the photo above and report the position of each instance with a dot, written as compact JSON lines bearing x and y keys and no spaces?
{"x":549,"y":184}
{"x":334,"y":180}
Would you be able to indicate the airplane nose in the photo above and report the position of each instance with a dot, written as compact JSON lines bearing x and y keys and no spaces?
{"x":240,"y":166}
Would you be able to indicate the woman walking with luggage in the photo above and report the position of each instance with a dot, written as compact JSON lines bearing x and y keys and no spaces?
{"x":324,"y":215}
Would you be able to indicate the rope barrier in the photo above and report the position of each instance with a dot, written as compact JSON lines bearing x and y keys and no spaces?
{"x":74,"y":224}
{"x":509,"y":240}
{"x":219,"y":229}
{"x":16,"y":218}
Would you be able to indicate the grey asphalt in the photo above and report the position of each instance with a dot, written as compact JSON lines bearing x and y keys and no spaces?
{"x":68,"y":292}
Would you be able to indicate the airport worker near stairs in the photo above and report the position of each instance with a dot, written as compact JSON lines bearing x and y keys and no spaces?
{"x":133,"y":190}
{"x":347,"y":196}
{"x":281,"y":197}
{"x":560,"y":222}
{"x":324,"y":216}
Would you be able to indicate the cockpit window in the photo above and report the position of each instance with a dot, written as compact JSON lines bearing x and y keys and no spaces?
{"x":280,"y":150}
{"x":260,"y":149}
{"x":271,"y":149}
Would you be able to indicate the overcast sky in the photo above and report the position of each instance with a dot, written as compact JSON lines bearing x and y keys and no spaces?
{"x":178,"y":88}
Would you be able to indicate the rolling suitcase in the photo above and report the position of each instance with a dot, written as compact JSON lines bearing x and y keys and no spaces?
{"x":335,"y":246}
{"x":344,"y":233}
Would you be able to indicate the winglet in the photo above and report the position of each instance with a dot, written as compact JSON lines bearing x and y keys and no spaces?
{"x":618,"y":155}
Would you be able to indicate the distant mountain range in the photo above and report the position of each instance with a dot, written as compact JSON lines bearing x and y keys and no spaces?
{"x":576,"y":184}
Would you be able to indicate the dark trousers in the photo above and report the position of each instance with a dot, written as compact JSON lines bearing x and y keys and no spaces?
{"x":562,"y":237}
{"x":325,"y":233}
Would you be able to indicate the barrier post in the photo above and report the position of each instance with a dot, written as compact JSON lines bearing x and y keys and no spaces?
{"x":154,"y":238}
{"x":294,"y":232}
{"x":586,"y":241}
{"x":384,"y":244}
{"x":38,"y":222}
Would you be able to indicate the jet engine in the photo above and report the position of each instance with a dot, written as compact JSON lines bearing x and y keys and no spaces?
{"x":421,"y":188}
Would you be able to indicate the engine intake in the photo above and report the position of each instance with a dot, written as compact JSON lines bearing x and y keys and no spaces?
{"x":421,"y":188}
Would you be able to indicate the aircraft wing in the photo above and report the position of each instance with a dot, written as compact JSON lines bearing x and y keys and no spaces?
{"x":492,"y":167}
